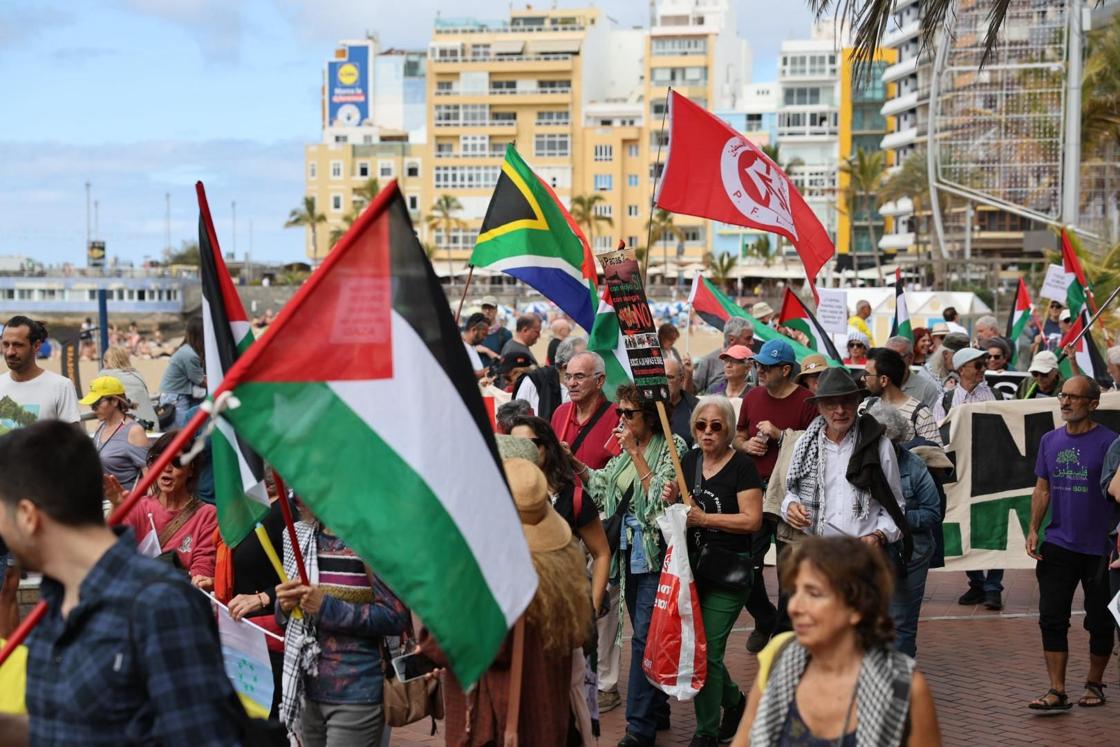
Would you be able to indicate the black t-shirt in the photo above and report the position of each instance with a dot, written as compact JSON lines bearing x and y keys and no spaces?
{"x":252,"y":570}
{"x":719,"y":495}
{"x":565,"y":506}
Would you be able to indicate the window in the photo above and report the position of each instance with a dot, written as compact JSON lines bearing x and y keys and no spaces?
{"x":554,"y":86}
{"x":466,"y":177}
{"x":336,"y":169}
{"x":631,"y":180}
{"x":480,"y":51}
{"x":341,"y":139}
{"x":444,"y":87}
{"x":500,"y":86}
{"x":363,"y":169}
{"x":632,"y":150}
{"x":475,"y":114}
{"x":336,"y":203}
{"x":547,"y":145}
{"x":312,"y":170}
{"x":464,"y":238}
{"x":631,"y":241}
{"x":604,"y":182}
{"x":604,"y":152}
{"x":754,"y":121}
{"x":503,"y":118}
{"x":603,"y":243}
{"x":445,"y":54}
{"x":658,"y":108}
{"x":691,"y":46}
{"x":474,"y":145}
{"x":559,"y":117}
{"x":385,"y":169}
{"x":413,"y":203}
{"x":412,"y":169}
{"x":802,"y":96}
{"x":447,"y":115}
{"x":658,"y":138}
{"x":444,"y":150}
{"x":691,"y":76}
{"x":632,"y":211}
{"x":367,"y":139}
{"x":603,"y":210}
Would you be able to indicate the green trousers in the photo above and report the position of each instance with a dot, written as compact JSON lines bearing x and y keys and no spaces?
{"x":720,"y":608}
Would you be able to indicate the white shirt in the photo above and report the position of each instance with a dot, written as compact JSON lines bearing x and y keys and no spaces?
{"x":527,"y":391}
{"x":47,"y":397}
{"x":981,"y":393}
{"x":475,"y":358}
{"x":840,"y":495}
{"x":954,"y":327}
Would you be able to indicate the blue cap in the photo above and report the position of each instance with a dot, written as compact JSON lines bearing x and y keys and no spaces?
{"x":774,"y":352}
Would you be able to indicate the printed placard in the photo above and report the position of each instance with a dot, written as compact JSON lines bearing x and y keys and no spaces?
{"x":623,"y":277}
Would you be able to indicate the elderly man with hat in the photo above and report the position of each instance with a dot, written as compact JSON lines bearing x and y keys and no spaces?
{"x":984,"y":587}
{"x":1045,"y":378}
{"x":121,"y":442}
{"x":843,"y":476}
{"x":498,"y":335}
{"x":762,"y":313}
{"x":768,"y":410}
{"x":940,"y":361}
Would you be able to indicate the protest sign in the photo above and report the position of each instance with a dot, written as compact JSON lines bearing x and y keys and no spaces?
{"x":623,"y":278}
{"x":245,"y":654}
{"x":994,"y":446}
{"x":1056,"y":284}
{"x":832,"y":310}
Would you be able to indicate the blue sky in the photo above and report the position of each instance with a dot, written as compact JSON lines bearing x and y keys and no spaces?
{"x":143,"y":97}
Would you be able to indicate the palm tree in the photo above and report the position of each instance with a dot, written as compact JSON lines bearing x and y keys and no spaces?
{"x":759,"y":249}
{"x":306,"y":215}
{"x":442,"y":218}
{"x":583,"y":213}
{"x":773,"y":152}
{"x":721,"y":266}
{"x":865,"y":172}
{"x":870,"y":18}
{"x":661,"y":226}
{"x":369,"y":189}
{"x":347,"y":220}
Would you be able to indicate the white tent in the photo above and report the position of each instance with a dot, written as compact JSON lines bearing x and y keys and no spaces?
{"x":924,"y":306}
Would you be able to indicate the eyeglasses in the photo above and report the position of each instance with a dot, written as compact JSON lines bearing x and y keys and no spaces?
{"x":624,"y":413}
{"x":996,"y":356}
{"x":765,"y":368}
{"x":1066,"y":396}
{"x":176,"y":462}
{"x":579,"y":377}
{"x":703,"y":426}
{"x":856,"y":345}
{"x":869,"y":375}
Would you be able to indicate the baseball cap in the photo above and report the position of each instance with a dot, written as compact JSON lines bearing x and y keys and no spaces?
{"x":1064,"y":316}
{"x":1043,"y":362}
{"x":812,"y":364}
{"x":964,"y":356}
{"x":511,"y":361}
{"x":103,"y":386}
{"x":737,"y":352}
{"x":489,"y":301}
{"x":774,"y":352}
{"x":939,"y":330}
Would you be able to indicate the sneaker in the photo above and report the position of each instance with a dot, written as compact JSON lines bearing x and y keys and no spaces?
{"x":609,"y":700}
{"x":731,"y":718}
{"x":702,"y":741}
{"x":633,"y":740}
{"x":972,"y":596}
{"x":757,"y":640}
{"x":993,"y":600}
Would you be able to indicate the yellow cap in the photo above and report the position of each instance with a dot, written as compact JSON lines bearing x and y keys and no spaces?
{"x":103,"y":386}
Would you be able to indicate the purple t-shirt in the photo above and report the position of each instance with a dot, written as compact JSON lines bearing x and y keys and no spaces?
{"x":1080,"y":515}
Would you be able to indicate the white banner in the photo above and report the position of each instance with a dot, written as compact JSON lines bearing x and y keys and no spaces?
{"x":832,"y":311}
{"x":1056,"y":284}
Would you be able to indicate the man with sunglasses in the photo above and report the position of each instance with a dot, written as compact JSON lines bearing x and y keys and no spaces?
{"x":768,"y":410}
{"x":984,"y":587}
{"x":1045,"y":378}
{"x":1068,"y":488}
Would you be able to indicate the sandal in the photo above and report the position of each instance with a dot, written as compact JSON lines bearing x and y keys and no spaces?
{"x":1094,"y":695}
{"x":1059,"y":703}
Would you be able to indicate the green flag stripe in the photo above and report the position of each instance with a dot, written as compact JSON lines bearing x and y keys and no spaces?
{"x":421,"y":553}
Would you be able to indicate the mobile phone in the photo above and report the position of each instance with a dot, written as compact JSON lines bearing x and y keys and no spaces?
{"x":412,"y":666}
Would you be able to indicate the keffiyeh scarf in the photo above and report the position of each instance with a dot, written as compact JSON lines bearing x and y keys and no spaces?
{"x":806,"y":470}
{"x":301,"y":646}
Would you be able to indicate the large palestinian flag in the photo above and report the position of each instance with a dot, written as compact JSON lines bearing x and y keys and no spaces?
{"x":715,"y":308}
{"x":795,"y":315}
{"x":240,"y":494}
{"x":363,"y":398}
{"x":529,"y":235}
{"x":1079,"y":301}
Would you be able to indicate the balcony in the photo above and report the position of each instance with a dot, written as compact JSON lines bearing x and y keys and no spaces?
{"x":900,"y":104}
{"x":503,"y":123}
{"x":504,"y":92}
{"x":896,"y":36}
{"x":492,"y":153}
{"x":900,"y":70}
{"x":899,"y":139}
{"x":449,"y":26}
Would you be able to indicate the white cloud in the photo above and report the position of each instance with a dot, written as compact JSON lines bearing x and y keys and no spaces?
{"x":217,"y":25}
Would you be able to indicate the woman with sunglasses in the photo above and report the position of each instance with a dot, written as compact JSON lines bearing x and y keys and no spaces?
{"x":725,"y":507}
{"x":183,"y":524}
{"x":857,"y":348}
{"x":628,"y":489}
{"x":562,"y":488}
{"x":120,"y":441}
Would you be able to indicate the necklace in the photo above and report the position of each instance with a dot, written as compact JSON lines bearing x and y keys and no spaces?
{"x":101,"y":443}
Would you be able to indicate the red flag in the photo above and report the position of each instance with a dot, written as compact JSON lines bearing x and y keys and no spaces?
{"x":714,"y":172}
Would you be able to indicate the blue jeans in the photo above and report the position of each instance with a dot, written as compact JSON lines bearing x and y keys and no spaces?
{"x":992,"y":582}
{"x":906,"y":604}
{"x":643,"y":700}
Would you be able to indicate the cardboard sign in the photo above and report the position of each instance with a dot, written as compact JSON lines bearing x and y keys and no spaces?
{"x":623,"y":277}
{"x":832,"y":311}
{"x":1056,"y":283}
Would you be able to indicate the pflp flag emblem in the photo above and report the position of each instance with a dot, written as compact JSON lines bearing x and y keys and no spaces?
{"x":755,"y":187}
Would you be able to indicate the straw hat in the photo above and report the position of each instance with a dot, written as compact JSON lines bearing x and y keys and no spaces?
{"x":544,"y":529}
{"x":761,"y":310}
{"x":811,"y":364}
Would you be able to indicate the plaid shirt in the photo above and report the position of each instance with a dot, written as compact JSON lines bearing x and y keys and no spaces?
{"x":136,"y":661}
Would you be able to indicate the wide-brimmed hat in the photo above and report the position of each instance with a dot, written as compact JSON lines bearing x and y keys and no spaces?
{"x":939,"y":330}
{"x":761,"y":309}
{"x":544,"y":529}
{"x":739,"y":353}
{"x":104,"y":386}
{"x":836,"y":382}
{"x":812,"y":364}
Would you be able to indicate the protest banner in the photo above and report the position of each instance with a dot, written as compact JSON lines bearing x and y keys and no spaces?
{"x":994,"y":446}
{"x":245,"y":655}
{"x":1007,"y":382}
{"x":623,"y":278}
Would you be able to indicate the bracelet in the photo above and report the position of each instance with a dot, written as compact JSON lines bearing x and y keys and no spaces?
{"x":643,"y":477}
{"x":265,"y":602}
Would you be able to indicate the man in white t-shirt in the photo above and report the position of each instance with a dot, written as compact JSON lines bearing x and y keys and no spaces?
{"x":474,"y":332}
{"x":27,"y":393}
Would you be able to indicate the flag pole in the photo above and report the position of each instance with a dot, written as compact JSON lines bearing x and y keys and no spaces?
{"x":1092,"y":321}
{"x":653,"y":194}
{"x":289,"y":522}
{"x":466,"y":287}
{"x":138,"y":491}
{"x":663,"y":415}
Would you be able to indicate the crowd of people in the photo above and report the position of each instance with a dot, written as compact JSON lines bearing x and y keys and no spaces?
{"x":844,"y":473}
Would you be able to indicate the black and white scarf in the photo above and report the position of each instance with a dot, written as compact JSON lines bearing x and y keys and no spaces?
{"x":301,"y":645}
{"x":882,"y":696}
{"x":806,"y":470}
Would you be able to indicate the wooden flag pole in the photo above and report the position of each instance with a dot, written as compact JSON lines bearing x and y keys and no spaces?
{"x":466,"y":288}
{"x":274,"y":559}
{"x":289,"y":522}
{"x":681,"y":482}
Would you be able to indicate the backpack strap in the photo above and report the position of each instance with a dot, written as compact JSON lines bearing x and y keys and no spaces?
{"x":585,"y":431}
{"x":947,"y":400}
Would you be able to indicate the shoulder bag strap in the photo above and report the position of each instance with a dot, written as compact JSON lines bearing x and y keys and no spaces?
{"x":586,"y":430}
{"x":577,"y":498}
{"x":173,"y":527}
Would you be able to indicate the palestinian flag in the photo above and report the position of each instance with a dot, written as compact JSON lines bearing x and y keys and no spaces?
{"x":795,"y":315}
{"x":901,"y":326}
{"x":715,"y":308}
{"x":363,"y":398}
{"x":1019,"y":319}
{"x":606,"y":340}
{"x":529,"y":235}
{"x":1078,"y":290}
{"x":240,"y":494}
